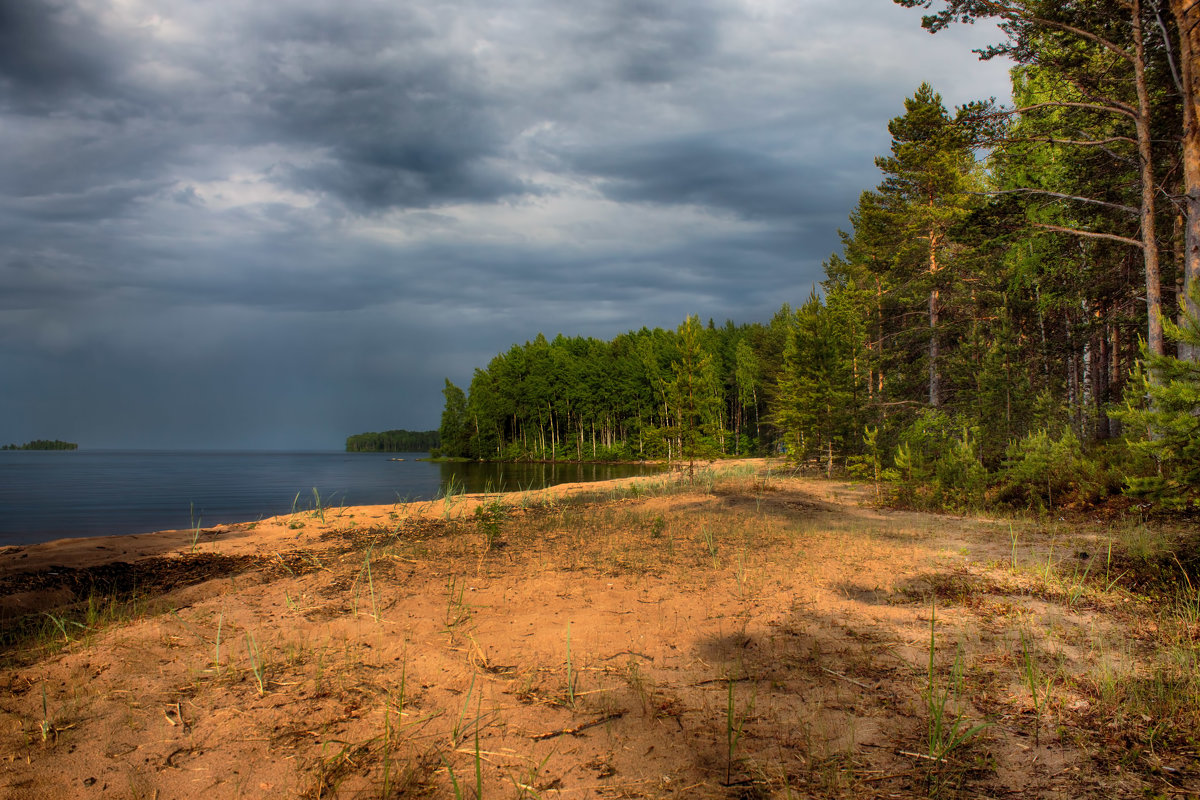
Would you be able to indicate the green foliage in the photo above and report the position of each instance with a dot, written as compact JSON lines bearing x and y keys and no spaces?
{"x":488,"y":520}
{"x":453,"y":432}
{"x":645,"y":394}
{"x":397,"y":441}
{"x":1162,"y":422}
{"x":814,"y":405}
{"x":1041,"y":472}
{"x":694,"y":396}
{"x":937,"y":462}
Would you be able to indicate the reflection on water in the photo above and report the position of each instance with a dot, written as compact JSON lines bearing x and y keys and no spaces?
{"x":474,"y":477}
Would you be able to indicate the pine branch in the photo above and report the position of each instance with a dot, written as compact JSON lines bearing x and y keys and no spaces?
{"x":1114,"y":108}
{"x":1093,"y":201}
{"x":1091,"y":234}
{"x":1056,"y":140}
{"x":1013,"y":12}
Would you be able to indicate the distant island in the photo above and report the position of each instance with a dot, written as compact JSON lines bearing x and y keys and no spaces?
{"x":400,"y":441}
{"x":42,"y":444}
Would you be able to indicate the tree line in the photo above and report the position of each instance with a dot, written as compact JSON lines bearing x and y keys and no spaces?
{"x":397,"y":441}
{"x":42,"y":444}
{"x":646,"y":394}
{"x":1012,"y":313}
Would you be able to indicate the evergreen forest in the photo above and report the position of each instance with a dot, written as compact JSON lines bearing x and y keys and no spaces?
{"x":1011,"y":317}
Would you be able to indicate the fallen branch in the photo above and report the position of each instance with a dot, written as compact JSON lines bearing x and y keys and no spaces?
{"x":710,"y":681}
{"x":539,"y":737}
{"x":847,"y":678}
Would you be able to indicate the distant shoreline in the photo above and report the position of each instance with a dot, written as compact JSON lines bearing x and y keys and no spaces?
{"x":43,"y":444}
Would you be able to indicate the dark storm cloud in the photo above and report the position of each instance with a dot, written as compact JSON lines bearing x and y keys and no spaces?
{"x":274,"y":224}
{"x":705,"y":171}
{"x":49,"y":50}
{"x":398,"y":121}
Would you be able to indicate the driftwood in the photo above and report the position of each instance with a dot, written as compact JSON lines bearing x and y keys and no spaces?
{"x":578,"y":728}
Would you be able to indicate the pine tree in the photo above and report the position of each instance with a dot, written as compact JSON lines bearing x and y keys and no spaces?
{"x":692,"y":394}
{"x":925,"y":192}
{"x":1162,"y":419}
{"x":453,"y":431}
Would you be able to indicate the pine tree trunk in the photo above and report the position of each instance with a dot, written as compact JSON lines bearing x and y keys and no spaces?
{"x":1087,"y":399}
{"x":934,"y":387}
{"x":1072,"y":375}
{"x":1154,"y":326}
{"x":1187,"y":20}
{"x":757,"y":423}
{"x":1102,"y":382}
{"x":879,"y":332}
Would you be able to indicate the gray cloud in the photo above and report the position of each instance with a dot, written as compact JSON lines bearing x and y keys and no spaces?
{"x":275,"y":224}
{"x":705,"y":171}
{"x":49,"y":50}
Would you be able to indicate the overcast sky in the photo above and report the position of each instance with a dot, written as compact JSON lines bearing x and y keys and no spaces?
{"x":230,"y":224}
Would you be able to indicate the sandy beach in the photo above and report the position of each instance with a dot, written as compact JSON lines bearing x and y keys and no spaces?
{"x":752,"y":634}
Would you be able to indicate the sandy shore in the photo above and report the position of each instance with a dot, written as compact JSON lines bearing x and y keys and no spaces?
{"x":262,"y":538}
{"x":753,"y":636}
{"x":272,"y":533}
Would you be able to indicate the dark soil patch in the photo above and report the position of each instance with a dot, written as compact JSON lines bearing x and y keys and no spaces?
{"x":149,"y":576}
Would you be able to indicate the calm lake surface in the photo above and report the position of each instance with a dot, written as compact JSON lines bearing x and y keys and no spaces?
{"x":50,"y":495}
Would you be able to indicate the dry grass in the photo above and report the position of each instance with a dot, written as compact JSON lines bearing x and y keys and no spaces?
{"x":747,"y":636}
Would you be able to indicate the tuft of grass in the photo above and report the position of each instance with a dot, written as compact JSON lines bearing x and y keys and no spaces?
{"x":658,"y":527}
{"x":61,"y":623}
{"x":457,"y":611}
{"x":734,"y":724}
{"x":947,"y":730}
{"x":47,"y":728}
{"x":525,"y":784}
{"x":461,"y":724}
{"x":487,"y":520}
{"x":638,"y":684}
{"x":451,"y":494}
{"x":195,"y":526}
{"x":1077,"y":585}
{"x":217,"y":651}
{"x":390,"y":729}
{"x":571,"y":676}
{"x":710,"y":544}
{"x":257,"y":667}
{"x":318,"y":507}
{"x":365,"y":572}
{"x":1038,"y":683}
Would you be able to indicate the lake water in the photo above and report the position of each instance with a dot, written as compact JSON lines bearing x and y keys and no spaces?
{"x":50,"y":495}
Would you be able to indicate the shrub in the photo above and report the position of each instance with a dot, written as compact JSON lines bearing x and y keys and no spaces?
{"x":1040,"y":471}
{"x":937,"y":463}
